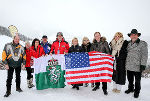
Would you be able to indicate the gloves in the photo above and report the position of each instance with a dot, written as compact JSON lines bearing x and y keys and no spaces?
{"x":142,"y":68}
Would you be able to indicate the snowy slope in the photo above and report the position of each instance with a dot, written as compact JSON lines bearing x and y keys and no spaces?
{"x":4,"y":40}
{"x":68,"y":94}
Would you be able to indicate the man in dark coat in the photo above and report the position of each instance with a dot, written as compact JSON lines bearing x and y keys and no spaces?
{"x":101,"y":45}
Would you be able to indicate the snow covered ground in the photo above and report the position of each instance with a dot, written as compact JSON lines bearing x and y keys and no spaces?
{"x":68,"y":94}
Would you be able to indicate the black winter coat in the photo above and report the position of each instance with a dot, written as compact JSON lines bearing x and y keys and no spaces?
{"x":119,"y":75}
{"x":86,"y":48}
{"x":76,"y":48}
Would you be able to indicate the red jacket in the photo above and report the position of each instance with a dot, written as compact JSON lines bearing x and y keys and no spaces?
{"x":37,"y":53}
{"x":28,"y":57}
{"x":63,"y":47}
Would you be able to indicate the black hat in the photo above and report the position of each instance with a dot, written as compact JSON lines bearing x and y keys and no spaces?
{"x":44,"y":36}
{"x":134,"y":31}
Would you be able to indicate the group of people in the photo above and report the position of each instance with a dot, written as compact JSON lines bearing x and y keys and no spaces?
{"x":130,"y":58}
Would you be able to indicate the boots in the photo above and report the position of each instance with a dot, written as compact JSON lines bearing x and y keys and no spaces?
{"x":18,"y":89}
{"x":7,"y":93}
{"x":129,"y":91}
{"x":95,"y":88}
{"x":105,"y":92}
{"x":30,"y":83}
{"x":114,"y":90}
{"x":92,"y":85}
{"x":77,"y":87}
{"x":86,"y":85}
{"x":73,"y":86}
{"x":136,"y":94}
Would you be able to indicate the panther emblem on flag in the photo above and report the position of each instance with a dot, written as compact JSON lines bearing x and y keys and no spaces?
{"x":54,"y":72}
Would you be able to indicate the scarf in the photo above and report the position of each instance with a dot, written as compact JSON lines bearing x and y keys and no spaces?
{"x":116,"y":46}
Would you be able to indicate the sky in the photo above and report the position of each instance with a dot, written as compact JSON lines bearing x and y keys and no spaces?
{"x":76,"y":18}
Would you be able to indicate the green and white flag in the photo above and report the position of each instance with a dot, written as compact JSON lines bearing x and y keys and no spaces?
{"x":49,"y":72}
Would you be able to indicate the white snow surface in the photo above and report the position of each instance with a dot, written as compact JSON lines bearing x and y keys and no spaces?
{"x":68,"y":94}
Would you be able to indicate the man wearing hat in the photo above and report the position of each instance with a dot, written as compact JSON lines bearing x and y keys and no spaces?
{"x":60,"y":46}
{"x":46,"y":45}
{"x":136,"y":62}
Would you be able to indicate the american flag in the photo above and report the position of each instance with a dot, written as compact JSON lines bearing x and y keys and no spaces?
{"x":88,"y":67}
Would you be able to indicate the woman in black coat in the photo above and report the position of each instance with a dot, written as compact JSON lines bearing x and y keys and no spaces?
{"x":119,"y":51}
{"x":75,"y":48}
{"x":86,"y":45}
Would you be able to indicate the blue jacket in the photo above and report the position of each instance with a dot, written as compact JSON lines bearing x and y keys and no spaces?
{"x":47,"y":47}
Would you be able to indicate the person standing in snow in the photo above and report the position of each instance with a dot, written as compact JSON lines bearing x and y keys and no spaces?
{"x":119,"y":51}
{"x":13,"y":56}
{"x":45,"y":45}
{"x":86,"y":45}
{"x":75,"y":48}
{"x":36,"y":49}
{"x":28,"y":65}
{"x":60,"y":46}
{"x":101,"y":45}
{"x":136,"y":62}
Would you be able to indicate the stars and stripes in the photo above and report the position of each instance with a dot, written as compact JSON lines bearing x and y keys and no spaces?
{"x":88,"y":67}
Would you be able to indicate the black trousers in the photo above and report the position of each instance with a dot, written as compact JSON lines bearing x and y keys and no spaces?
{"x":137,"y":75}
{"x":29,"y":73}
{"x":104,"y":85}
{"x":10,"y":77}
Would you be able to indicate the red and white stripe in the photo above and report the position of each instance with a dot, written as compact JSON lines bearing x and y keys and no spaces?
{"x":100,"y":70}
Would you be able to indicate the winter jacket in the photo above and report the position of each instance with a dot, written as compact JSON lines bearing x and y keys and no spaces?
{"x":119,"y":73}
{"x":86,"y":48}
{"x":61,"y":47}
{"x":76,"y":48}
{"x":14,"y":55}
{"x":36,"y":53}
{"x":137,"y":55}
{"x":101,"y":46}
{"x":47,"y":47}
{"x":28,"y":57}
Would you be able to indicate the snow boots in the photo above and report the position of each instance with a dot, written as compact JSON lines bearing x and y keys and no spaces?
{"x":30,"y":83}
{"x":7,"y":93}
